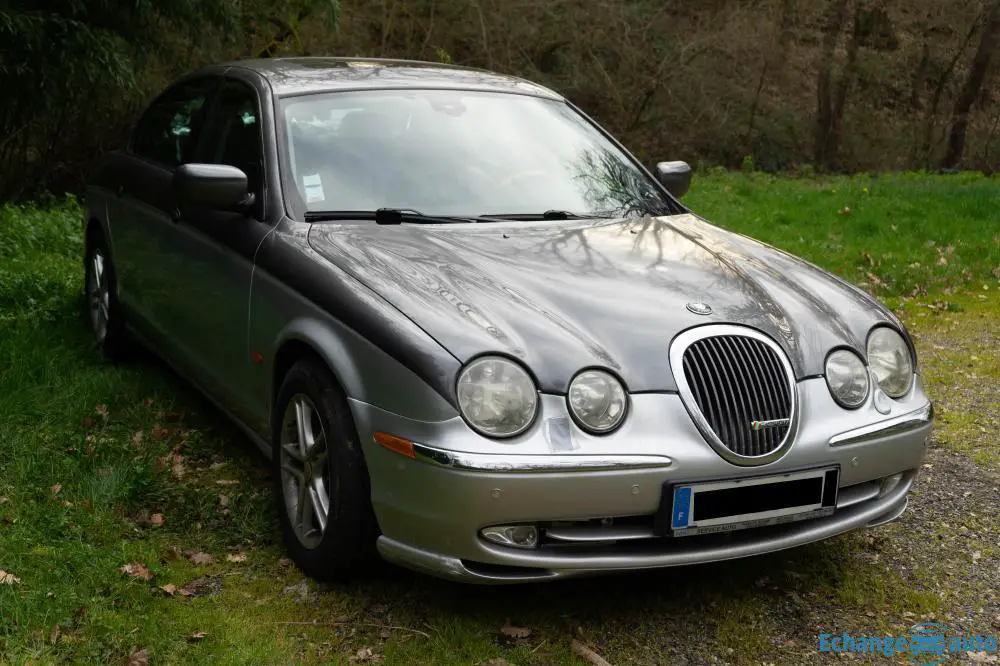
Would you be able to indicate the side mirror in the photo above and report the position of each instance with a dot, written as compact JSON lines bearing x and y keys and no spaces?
{"x":675,"y":176}
{"x":215,"y":186}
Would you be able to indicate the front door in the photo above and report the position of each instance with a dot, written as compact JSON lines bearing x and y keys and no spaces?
{"x":213,"y":254}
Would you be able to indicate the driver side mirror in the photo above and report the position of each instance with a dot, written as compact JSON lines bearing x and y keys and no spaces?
{"x":675,"y":176}
{"x":214,"y":186}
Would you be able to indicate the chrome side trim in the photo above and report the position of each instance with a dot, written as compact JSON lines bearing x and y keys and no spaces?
{"x":488,"y":462}
{"x":578,"y":534}
{"x":680,"y":344}
{"x":900,"y":424}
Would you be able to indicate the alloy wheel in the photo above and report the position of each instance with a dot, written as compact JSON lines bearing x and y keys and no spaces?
{"x":98,"y":295}
{"x":305,"y":470}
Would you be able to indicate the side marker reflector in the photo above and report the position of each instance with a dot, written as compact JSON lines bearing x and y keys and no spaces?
{"x":403,"y":447}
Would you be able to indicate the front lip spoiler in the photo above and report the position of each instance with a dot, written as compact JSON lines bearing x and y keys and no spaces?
{"x":491,"y":462}
{"x":894,"y":426}
{"x":527,"y":566}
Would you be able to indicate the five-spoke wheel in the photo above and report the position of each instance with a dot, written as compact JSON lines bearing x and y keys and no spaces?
{"x":321,"y":481}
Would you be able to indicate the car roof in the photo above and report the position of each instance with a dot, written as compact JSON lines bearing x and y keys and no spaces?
{"x":296,"y":76}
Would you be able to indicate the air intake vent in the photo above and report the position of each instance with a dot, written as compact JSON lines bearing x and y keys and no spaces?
{"x":740,"y":390}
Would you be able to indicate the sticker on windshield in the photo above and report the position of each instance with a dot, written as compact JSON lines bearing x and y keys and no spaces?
{"x":314,"y":188}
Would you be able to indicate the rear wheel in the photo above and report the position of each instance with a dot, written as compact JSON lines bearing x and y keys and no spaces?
{"x":101,"y":290}
{"x":322,"y":487}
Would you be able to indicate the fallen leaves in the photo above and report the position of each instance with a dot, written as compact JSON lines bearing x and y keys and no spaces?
{"x":136,"y":570}
{"x":237,"y":557}
{"x":513,"y":635}
{"x":56,"y":488}
{"x":199,"y":558}
{"x":159,"y":433}
{"x":366,"y":655}
{"x":588,"y":654}
{"x":138,"y":657}
{"x":8,"y":578}
{"x":201,"y":586}
{"x":174,"y":461}
{"x":196,"y":636}
{"x":156,"y":520}
{"x":226,"y":482}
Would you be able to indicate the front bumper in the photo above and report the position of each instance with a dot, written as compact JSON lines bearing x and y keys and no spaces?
{"x":431,"y":508}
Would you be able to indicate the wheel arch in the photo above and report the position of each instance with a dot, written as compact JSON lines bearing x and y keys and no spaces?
{"x":362,"y":371}
{"x":304,"y":338}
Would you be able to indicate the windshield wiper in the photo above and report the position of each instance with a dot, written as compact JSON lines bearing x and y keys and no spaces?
{"x":384,"y":216}
{"x":547,"y":215}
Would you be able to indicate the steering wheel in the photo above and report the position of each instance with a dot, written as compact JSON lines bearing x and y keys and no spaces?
{"x":520,"y":175}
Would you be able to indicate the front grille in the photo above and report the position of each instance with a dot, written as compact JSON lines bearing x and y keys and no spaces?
{"x":736,"y":380}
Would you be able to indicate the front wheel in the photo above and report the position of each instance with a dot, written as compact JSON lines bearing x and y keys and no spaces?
{"x":322,"y":487}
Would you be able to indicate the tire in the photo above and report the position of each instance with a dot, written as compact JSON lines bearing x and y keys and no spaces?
{"x":101,"y":306}
{"x":343,"y":546}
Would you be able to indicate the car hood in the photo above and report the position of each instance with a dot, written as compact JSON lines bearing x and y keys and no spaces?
{"x":565,"y":295}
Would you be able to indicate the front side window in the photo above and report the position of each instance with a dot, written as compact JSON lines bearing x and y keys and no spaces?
{"x":461,"y":153}
{"x":168,"y":132}
{"x":234,"y":135}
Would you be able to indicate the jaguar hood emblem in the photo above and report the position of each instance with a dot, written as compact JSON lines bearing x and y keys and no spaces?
{"x":700,"y":308}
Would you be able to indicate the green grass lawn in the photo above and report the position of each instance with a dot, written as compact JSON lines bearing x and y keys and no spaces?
{"x":103,"y":466}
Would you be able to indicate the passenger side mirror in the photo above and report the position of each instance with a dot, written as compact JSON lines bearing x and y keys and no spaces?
{"x":675,"y":176}
{"x":215,"y":186}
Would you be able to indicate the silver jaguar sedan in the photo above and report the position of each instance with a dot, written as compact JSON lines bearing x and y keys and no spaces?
{"x":476,"y":336}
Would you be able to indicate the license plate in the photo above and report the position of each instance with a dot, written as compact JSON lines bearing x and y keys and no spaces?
{"x":737,"y":504}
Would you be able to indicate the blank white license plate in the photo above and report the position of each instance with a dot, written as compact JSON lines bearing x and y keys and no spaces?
{"x":724,"y":506}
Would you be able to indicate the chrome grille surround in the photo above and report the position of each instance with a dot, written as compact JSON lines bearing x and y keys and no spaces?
{"x":747,"y":387}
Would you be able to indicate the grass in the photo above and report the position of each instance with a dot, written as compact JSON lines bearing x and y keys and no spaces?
{"x":91,"y":455}
{"x":899,"y":235}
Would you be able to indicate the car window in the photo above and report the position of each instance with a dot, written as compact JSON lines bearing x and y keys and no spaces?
{"x":233,"y":136}
{"x":169,"y":130}
{"x":451,"y":152}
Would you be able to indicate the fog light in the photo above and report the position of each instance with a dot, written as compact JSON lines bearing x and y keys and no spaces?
{"x":518,"y":536}
{"x":889,"y":483}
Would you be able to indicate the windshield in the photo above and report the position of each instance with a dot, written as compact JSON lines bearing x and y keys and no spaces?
{"x":458,"y":153}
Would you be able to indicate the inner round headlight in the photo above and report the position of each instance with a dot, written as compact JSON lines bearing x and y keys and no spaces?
{"x":497,"y":396}
{"x":597,"y":400}
{"x":847,"y":378}
{"x":890,"y":360}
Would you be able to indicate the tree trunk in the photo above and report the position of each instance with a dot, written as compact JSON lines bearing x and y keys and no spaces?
{"x":942,"y":82}
{"x":825,"y":122}
{"x":971,"y":90}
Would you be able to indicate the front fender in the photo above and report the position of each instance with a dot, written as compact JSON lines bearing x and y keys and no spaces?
{"x":365,"y":372}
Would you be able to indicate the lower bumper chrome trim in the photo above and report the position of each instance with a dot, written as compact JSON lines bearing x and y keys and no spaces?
{"x":894,"y":426}
{"x":491,"y":462}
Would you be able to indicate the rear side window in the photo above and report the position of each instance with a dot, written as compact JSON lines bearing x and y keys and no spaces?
{"x":169,"y":130}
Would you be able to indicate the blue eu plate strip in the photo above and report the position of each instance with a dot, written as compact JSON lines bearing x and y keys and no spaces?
{"x":682,"y":507}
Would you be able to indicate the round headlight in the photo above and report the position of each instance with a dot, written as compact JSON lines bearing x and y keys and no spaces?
{"x":497,"y":396}
{"x":597,"y":400}
{"x":890,"y":360}
{"x":847,"y":378}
